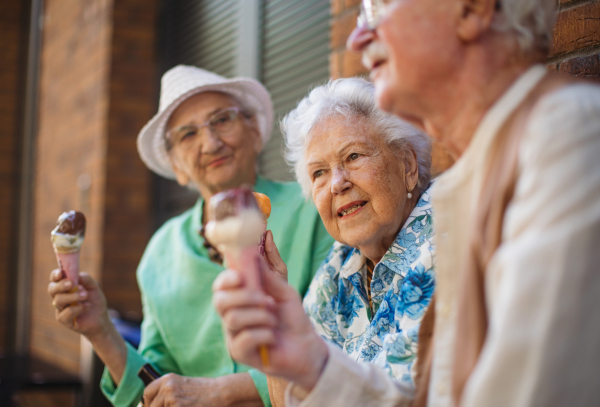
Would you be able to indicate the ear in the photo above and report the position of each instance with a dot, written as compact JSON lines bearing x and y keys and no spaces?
{"x":411,"y":170}
{"x":475,"y":18}
{"x":182,"y":177}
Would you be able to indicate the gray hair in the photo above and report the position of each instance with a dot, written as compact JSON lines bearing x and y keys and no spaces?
{"x":530,"y":21}
{"x":350,"y":98}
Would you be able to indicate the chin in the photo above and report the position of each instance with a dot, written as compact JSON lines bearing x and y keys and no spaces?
{"x":384,"y":95}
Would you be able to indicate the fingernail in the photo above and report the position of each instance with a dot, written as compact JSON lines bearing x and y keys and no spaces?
{"x":82,"y":294}
{"x":68,"y":284}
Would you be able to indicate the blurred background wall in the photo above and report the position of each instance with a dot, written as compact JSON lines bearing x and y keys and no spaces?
{"x":78,"y":80}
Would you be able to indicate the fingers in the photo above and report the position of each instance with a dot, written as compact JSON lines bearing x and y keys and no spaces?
{"x":57,"y":275}
{"x":246,"y":318}
{"x":87,"y":281}
{"x":60,"y":287}
{"x":244,"y":347}
{"x":62,"y":301}
{"x":68,"y":315}
{"x":277,"y":287}
{"x":161,"y":389}
{"x":226,"y":300}
{"x":273,"y":257}
{"x":227,"y":280}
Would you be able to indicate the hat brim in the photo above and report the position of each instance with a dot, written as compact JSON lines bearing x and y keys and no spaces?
{"x":251,"y":93}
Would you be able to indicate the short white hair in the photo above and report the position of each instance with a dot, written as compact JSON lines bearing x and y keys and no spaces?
{"x":350,"y":98}
{"x":530,"y":21}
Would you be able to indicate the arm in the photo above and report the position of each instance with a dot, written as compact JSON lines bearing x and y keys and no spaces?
{"x":543,"y":283}
{"x":296,"y":352}
{"x":89,"y":317}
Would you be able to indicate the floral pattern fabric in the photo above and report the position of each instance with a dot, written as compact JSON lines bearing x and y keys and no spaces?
{"x":401,"y":289}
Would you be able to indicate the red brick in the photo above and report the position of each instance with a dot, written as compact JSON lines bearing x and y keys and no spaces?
{"x":577,"y":28}
{"x":587,"y":67}
{"x":352,"y":65}
{"x":341,"y":29}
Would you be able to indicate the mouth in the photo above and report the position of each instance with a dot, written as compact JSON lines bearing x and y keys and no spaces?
{"x":217,"y":162}
{"x":350,"y":208}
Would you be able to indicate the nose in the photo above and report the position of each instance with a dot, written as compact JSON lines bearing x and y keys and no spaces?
{"x":340,"y":182}
{"x":359,"y":38}
{"x":211,"y":143}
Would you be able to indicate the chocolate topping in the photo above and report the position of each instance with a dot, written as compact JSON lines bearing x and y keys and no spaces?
{"x":232,"y":202}
{"x":71,"y":223}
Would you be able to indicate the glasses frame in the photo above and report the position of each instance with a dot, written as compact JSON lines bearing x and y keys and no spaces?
{"x":370,"y":13}
{"x":233,"y":109}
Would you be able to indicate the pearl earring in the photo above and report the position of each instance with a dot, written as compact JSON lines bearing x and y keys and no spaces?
{"x":409,"y":195}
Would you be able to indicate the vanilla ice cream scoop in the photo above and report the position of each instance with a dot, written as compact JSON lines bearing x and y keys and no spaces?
{"x":68,"y":235}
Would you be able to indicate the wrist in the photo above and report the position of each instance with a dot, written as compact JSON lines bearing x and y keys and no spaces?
{"x":318,"y":361}
{"x":106,"y":333}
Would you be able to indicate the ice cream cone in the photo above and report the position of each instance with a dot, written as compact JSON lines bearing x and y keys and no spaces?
{"x":237,"y":226}
{"x":67,"y":239}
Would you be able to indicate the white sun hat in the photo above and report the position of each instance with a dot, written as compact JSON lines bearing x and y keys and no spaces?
{"x":181,"y":82}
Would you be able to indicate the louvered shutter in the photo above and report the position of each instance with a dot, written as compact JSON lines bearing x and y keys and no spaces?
{"x":295,"y":55}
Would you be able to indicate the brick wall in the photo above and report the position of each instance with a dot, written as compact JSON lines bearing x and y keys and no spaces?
{"x":343,"y":64}
{"x":13,"y":19}
{"x":97,"y":90}
{"x":71,"y":143}
{"x":133,"y":101}
{"x":576,"y":49}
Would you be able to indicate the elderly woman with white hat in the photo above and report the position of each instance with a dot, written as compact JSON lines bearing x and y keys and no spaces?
{"x":207,"y":135}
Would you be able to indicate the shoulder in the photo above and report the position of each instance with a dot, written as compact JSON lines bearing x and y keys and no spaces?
{"x":564,"y":116}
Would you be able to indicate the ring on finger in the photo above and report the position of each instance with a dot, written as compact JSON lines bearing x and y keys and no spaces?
{"x":56,"y":306}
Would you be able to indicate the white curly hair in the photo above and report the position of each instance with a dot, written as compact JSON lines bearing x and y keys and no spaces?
{"x":350,"y":98}
{"x":529,"y":21}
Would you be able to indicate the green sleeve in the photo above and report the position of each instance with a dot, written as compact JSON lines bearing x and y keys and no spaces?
{"x":152,"y":350}
{"x":260,"y":381}
{"x":130,"y":389}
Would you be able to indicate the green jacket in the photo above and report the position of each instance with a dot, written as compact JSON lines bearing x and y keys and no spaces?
{"x":181,"y":332}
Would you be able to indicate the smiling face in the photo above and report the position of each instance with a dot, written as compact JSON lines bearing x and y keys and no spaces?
{"x":214,"y":162}
{"x":359,"y":184}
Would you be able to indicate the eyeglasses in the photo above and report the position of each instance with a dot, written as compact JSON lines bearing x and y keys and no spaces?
{"x":219,"y":124}
{"x":370,"y":13}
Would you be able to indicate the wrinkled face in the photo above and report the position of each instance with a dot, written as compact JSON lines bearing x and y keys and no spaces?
{"x":408,"y":54}
{"x":214,"y":161}
{"x":358,"y":183}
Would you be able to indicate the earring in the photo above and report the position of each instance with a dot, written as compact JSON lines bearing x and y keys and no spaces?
{"x":409,"y":195}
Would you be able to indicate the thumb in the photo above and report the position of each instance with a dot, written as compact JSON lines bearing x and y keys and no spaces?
{"x":273,"y":256}
{"x":88,"y":281}
{"x":277,"y":287}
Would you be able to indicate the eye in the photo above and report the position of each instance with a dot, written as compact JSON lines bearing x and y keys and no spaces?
{"x":353,"y":156}
{"x":185,"y":133}
{"x":317,"y":173}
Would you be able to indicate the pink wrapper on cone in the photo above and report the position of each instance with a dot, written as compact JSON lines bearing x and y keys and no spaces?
{"x":69,"y":263}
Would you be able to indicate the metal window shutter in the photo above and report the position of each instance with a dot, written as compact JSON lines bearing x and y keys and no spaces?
{"x":203,"y":33}
{"x":295,"y":58}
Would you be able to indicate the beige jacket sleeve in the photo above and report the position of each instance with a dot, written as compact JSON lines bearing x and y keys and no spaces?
{"x":543,"y":284}
{"x":346,"y":383}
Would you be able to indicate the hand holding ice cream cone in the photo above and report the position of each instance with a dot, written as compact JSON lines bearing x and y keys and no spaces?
{"x":67,"y":239}
{"x":238,"y":228}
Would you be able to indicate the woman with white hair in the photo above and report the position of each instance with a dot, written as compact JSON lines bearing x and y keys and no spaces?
{"x":368,"y":175}
{"x":207,"y":135}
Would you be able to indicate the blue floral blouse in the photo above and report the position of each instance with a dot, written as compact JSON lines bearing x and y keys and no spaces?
{"x":401,"y":288}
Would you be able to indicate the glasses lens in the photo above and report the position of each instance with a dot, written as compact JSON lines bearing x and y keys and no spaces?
{"x":183,"y":134}
{"x":223,"y":121}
